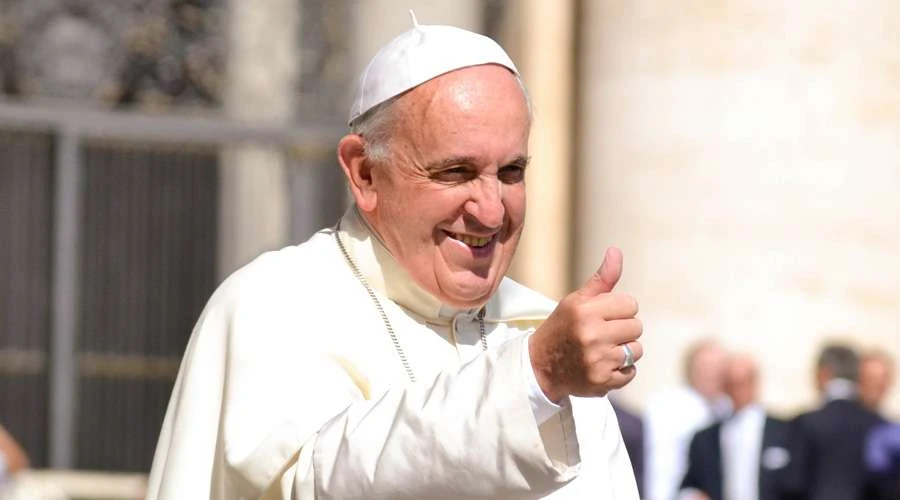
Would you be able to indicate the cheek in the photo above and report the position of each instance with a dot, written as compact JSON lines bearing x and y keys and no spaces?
{"x":515,"y":203}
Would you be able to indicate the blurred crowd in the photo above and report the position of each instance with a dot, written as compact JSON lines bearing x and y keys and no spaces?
{"x":712,"y":439}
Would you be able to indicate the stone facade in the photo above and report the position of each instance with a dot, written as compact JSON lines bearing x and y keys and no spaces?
{"x":743,"y":155}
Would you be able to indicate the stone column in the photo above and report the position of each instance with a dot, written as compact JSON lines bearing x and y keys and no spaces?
{"x":378,"y":21}
{"x":539,"y":36}
{"x":744,"y":156}
{"x":262,"y":71}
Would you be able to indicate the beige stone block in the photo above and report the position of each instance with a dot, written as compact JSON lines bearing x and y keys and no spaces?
{"x":743,"y":154}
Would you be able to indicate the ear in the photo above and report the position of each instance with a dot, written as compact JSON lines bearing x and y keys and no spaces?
{"x":352,"y":157}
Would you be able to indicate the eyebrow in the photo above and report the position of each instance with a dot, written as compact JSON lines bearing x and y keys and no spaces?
{"x":450,"y":162}
{"x":469,"y":160}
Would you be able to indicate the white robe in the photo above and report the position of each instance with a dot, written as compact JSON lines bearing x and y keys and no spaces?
{"x":291,"y":388}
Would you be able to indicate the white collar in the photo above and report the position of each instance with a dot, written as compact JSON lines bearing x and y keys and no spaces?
{"x":840,"y":388}
{"x":751,"y":411}
{"x":511,"y":302}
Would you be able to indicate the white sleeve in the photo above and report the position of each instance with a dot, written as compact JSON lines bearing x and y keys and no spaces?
{"x":315,"y":431}
{"x":4,"y":469}
{"x":541,"y":406}
{"x":465,"y":434}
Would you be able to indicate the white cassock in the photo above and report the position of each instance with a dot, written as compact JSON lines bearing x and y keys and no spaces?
{"x":291,"y":388}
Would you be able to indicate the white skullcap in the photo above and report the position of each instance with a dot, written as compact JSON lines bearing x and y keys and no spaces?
{"x":418,"y":55}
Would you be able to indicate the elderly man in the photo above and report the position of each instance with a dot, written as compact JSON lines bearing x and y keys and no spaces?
{"x":389,"y":357}
{"x":744,"y":456}
{"x":673,"y":416}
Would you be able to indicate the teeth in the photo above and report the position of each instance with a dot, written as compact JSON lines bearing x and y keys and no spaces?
{"x":472,"y":241}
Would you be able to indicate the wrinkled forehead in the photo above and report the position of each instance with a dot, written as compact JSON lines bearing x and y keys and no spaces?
{"x":483,"y":107}
{"x":471,"y":89}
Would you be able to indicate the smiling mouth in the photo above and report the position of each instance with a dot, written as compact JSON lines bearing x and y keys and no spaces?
{"x":472,"y":241}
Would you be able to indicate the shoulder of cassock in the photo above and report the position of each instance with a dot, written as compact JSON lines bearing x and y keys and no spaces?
{"x":314,"y":273}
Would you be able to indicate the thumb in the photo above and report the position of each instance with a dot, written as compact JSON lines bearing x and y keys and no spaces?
{"x":606,"y":277}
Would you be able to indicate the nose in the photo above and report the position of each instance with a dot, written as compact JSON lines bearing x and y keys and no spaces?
{"x":486,"y":203}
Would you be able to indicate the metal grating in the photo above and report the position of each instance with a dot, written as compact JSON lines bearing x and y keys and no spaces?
{"x":148,"y":266}
{"x":26,"y":161}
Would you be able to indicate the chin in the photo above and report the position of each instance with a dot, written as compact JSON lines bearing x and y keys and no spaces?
{"x":469,"y":295}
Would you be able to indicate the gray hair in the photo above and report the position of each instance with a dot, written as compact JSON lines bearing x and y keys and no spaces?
{"x":376,"y":124}
{"x":841,"y":361}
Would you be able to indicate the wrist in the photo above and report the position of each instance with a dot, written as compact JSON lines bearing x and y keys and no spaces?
{"x":544,"y":372}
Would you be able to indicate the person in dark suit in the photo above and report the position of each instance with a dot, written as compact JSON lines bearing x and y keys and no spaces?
{"x":827,"y":444}
{"x":742,"y":457}
{"x":883,"y":460}
{"x":632,"y":428}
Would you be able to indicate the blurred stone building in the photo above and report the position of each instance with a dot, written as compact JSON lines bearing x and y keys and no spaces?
{"x":742,"y":154}
{"x":147,"y":149}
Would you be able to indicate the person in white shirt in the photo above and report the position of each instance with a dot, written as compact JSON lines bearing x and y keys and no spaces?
{"x":743,"y":457}
{"x":389,"y":357}
{"x":671,"y":418}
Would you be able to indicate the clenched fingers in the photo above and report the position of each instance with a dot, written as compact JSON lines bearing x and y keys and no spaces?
{"x":619,"y":331}
{"x":613,"y":306}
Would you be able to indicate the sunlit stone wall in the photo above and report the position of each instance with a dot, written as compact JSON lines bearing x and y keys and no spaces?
{"x":744,"y":155}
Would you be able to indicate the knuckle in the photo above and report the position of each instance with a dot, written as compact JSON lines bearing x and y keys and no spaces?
{"x":593,"y":360}
{"x":582,"y":338}
{"x":630,"y":304}
{"x":625,"y":305}
{"x":573,"y":308}
{"x":580,"y":316}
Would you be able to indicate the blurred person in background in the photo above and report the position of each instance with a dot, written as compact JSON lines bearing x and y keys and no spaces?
{"x":672,"y":417}
{"x":389,"y":357}
{"x":632,"y":427}
{"x":741,"y":458}
{"x":883,"y":459}
{"x":876,"y":374}
{"x":13,"y":458}
{"x":15,"y":483}
{"x":826,"y":444}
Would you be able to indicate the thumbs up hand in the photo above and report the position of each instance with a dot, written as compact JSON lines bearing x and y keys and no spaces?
{"x":578,"y":350}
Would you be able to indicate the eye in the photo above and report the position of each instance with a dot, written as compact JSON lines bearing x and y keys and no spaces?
{"x":454,"y":175}
{"x":511,"y":174}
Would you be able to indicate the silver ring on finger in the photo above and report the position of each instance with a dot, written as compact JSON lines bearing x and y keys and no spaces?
{"x":629,"y":356}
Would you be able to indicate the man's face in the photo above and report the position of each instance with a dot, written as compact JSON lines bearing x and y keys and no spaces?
{"x":708,"y":371}
{"x":451,"y":196}
{"x":874,"y":381}
{"x":741,"y":381}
